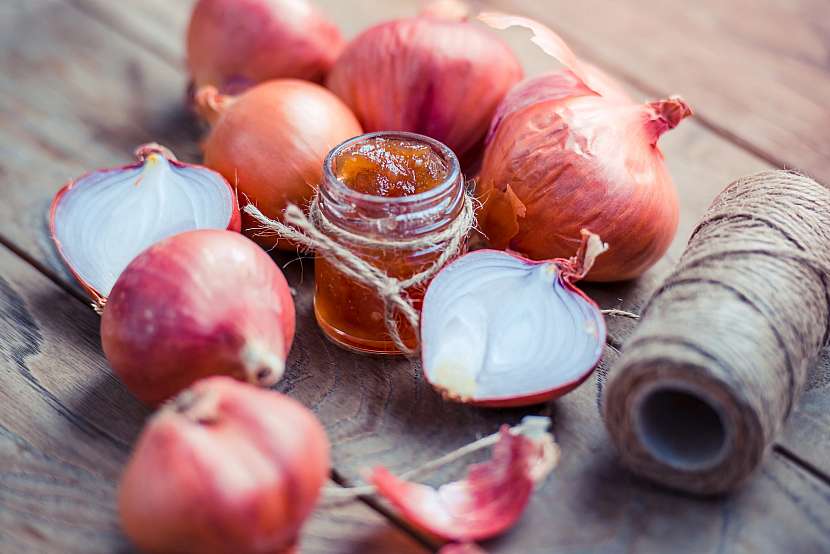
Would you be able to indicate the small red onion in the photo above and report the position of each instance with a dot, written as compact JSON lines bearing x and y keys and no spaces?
{"x":234,"y":44}
{"x":436,"y":74}
{"x":224,"y":468}
{"x":271,"y":141}
{"x":197,"y":304}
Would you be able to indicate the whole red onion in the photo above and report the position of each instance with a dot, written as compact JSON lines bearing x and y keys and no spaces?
{"x":271,"y":141}
{"x":233,"y":44}
{"x":436,"y":74}
{"x":196,"y":304}
{"x":569,"y":151}
{"x":225,"y":467}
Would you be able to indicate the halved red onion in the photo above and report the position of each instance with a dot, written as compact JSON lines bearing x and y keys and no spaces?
{"x":102,"y":220}
{"x":498,"y":329}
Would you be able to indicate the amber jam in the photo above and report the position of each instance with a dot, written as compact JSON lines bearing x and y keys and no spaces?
{"x":390,"y":186}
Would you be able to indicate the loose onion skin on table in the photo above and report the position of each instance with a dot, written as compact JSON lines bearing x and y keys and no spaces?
{"x":569,"y":151}
{"x":235,"y":44}
{"x":492,"y":497}
{"x":224,"y":467}
{"x":435,"y":74}
{"x":198,"y":304}
{"x":270,"y":143}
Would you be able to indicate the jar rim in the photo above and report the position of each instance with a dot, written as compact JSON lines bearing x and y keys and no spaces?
{"x":453,"y":173}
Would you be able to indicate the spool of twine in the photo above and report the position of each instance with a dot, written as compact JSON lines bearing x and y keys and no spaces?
{"x":319,"y":235}
{"x":720,"y":355}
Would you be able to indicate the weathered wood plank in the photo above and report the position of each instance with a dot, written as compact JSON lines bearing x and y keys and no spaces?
{"x":66,"y":429}
{"x":160,"y":27}
{"x":379,"y":411}
{"x":756,"y":71}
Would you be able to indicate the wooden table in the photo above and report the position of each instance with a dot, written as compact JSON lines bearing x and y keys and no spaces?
{"x":82,"y":82}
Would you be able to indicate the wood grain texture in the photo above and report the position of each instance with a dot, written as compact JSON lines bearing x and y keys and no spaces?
{"x":756,"y":71}
{"x":590,"y":505}
{"x":88,"y":95}
{"x":67,"y":426}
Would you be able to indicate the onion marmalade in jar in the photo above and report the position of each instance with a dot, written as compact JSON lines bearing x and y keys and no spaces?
{"x":387,"y":186}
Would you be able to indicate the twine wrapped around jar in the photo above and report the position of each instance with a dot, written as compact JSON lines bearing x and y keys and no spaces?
{"x":711,"y":373}
{"x":316,"y":233}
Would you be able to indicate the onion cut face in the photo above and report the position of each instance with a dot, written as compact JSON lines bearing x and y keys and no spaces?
{"x":501,"y":330}
{"x":104,"y":219}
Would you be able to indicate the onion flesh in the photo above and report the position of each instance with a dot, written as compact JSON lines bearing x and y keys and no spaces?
{"x":501,"y":330}
{"x":224,"y":467}
{"x":103,"y":219}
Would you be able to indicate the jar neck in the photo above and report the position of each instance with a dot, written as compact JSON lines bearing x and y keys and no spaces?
{"x":393,"y":218}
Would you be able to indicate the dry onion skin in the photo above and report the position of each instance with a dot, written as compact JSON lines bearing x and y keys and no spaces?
{"x":198,"y":304}
{"x":570,"y":150}
{"x":500,"y":330}
{"x":493,"y":496}
{"x":235,"y":44}
{"x":271,"y":142}
{"x":224,"y":467}
{"x":102,"y":220}
{"x":436,"y":74}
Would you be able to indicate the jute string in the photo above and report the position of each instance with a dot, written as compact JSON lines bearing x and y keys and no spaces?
{"x":317,"y":233}
{"x":735,"y":327}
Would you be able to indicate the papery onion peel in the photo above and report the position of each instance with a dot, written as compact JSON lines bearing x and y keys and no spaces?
{"x":491,"y":498}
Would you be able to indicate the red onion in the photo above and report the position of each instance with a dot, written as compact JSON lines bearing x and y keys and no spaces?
{"x":234,"y":44}
{"x":197,"y":304}
{"x":569,"y":151}
{"x":223,"y":468}
{"x":271,"y":142}
{"x":500,"y":330}
{"x":429,"y":74}
{"x":102,"y":220}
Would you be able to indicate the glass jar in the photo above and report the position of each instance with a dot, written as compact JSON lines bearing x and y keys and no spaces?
{"x":348,"y":312}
